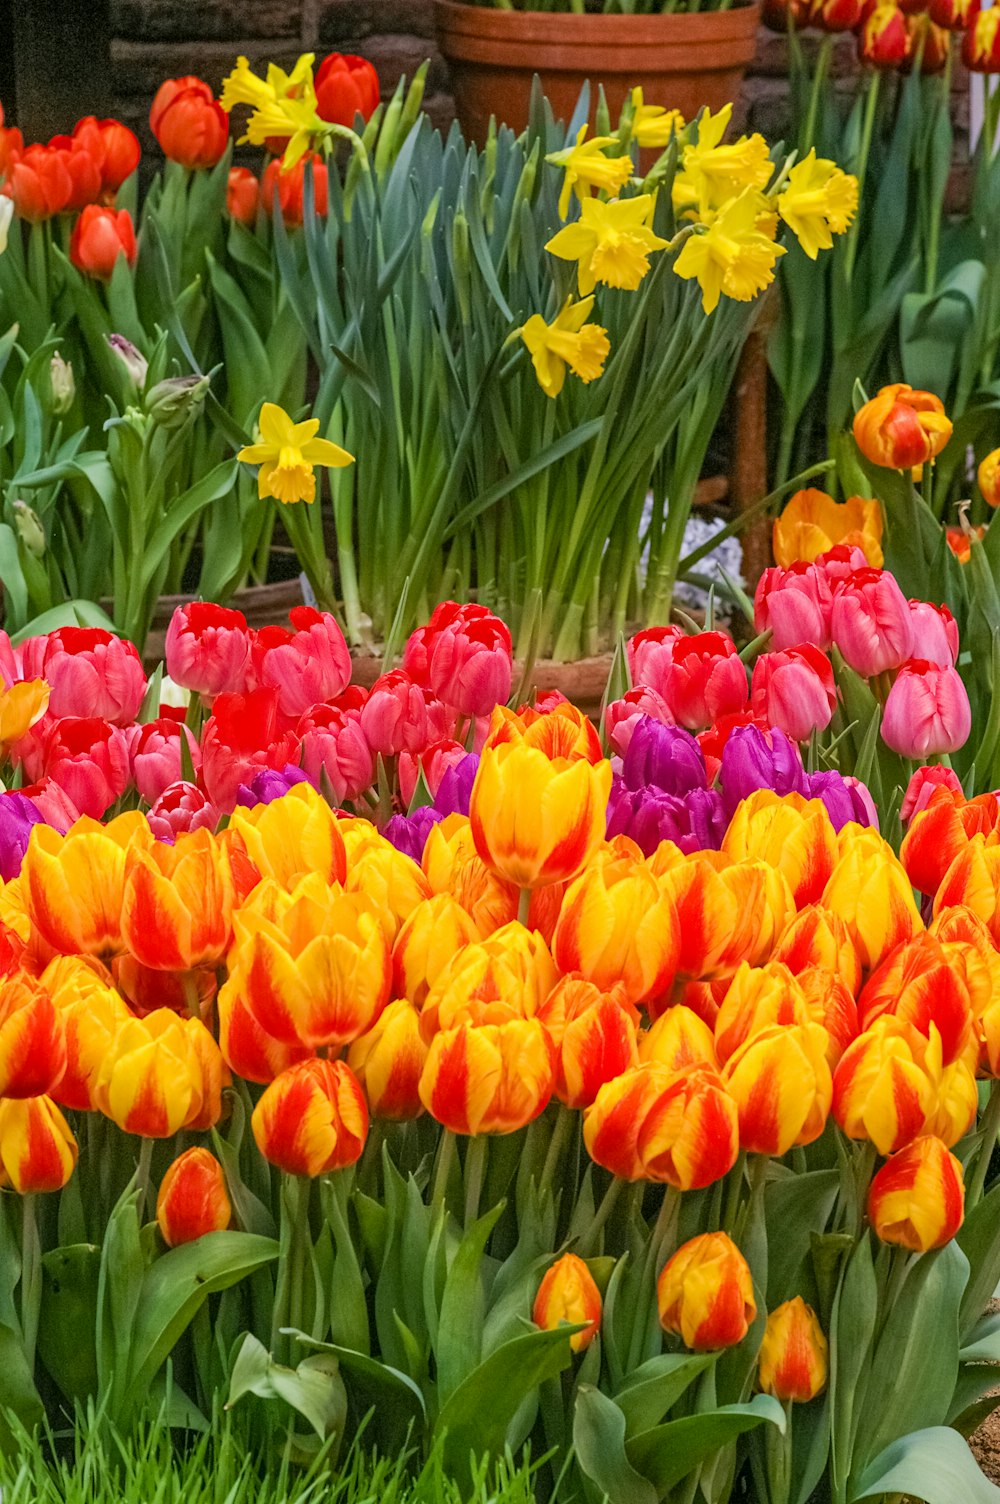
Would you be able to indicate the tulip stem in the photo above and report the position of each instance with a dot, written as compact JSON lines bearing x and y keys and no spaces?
{"x":989,"y":1131}
{"x":442,"y":1172}
{"x":733,"y":1190}
{"x":560,"y":1131}
{"x":476,"y":1156}
{"x":524,"y":906}
{"x":31,"y":1280}
{"x":588,"y":1244}
{"x":142,"y":1176}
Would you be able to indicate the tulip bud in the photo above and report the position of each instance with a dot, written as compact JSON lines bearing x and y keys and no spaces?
{"x":173,"y":401}
{"x":134,"y":362}
{"x":988,"y":476}
{"x":927,"y":711}
{"x":871,"y":893}
{"x":705,"y":1294}
{"x":29,"y":528}
{"x":617,"y":925}
{"x":312,"y":1119}
{"x":917,"y":1198}
{"x":490,"y":1078}
{"x":898,"y":428}
{"x":568,"y":1294}
{"x":981,"y":43}
{"x":37,"y":1148}
{"x":193,"y":1199}
{"x":62,"y":384}
{"x":388,"y":1061}
{"x":794,"y":690}
{"x":781,"y":1084}
{"x":793,"y":1360}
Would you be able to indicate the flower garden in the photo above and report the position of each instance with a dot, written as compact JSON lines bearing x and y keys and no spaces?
{"x":423,"y":1075}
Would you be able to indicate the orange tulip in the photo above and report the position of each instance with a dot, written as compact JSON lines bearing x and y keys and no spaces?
{"x":921,"y":983}
{"x":388,"y":1062}
{"x":504,"y":977}
{"x":679,"y":1038}
{"x":568,"y":1294}
{"x":193,"y":1199}
{"x":617,"y":925}
{"x":656,"y":1124}
{"x":942,"y":830}
{"x":794,"y":1354}
{"x":973,"y":880}
{"x":917,"y":1199}
{"x":73,"y":885}
{"x":818,"y":938}
{"x":812,"y":523}
{"x":781,"y":1084}
{"x":494,"y":1078}
{"x":788,"y":832}
{"x":597,"y":1043}
{"x":900,"y":428}
{"x":292,"y":836}
{"x":37,"y":1149}
{"x":177,"y":904}
{"x":705,"y":1294}
{"x":312,"y":1119}
{"x":535,"y":819}
{"x":318,"y":972}
{"x":871,"y":893}
{"x":563,"y":732}
{"x":32,"y":1038}
{"x":433,"y":934}
{"x":757,"y":998}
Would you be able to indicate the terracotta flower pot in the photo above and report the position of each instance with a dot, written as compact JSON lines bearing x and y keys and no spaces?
{"x":583,"y":682}
{"x":681,"y":61}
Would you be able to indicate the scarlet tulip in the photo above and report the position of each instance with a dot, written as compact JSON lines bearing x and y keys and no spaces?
{"x":490,"y":1078}
{"x":917,"y":1198}
{"x":121,"y":152}
{"x":39,"y":182}
{"x":568,"y":1294}
{"x":346,"y":87}
{"x":704,"y":680}
{"x":168,"y":92}
{"x":705,"y":1294}
{"x":37,"y":1149}
{"x":191,"y":129}
{"x":192,"y":1199}
{"x":899,"y":428}
{"x":289,"y":188}
{"x":981,"y":43}
{"x":208,"y":648}
{"x":99,"y":237}
{"x":312,"y":1119}
{"x":242,"y":195}
{"x":389,"y":1060}
{"x":927,"y":711}
{"x":241,"y":736}
{"x":89,"y":760}
{"x":794,"y":1354}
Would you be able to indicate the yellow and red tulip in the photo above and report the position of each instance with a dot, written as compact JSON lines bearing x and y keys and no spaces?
{"x":312,"y":1119}
{"x":618,"y":926}
{"x":177,"y":904}
{"x":794,"y":1354}
{"x":780,"y":1081}
{"x":490,"y":1078}
{"x":652,"y":1123}
{"x":37,"y":1149}
{"x":292,"y":836}
{"x":73,"y":885}
{"x":388,"y":1062}
{"x":917,"y":1198}
{"x":568,"y":1294}
{"x":193,"y":1199}
{"x":705,"y":1294}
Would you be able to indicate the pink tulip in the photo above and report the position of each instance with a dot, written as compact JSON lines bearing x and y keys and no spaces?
{"x":794,"y":605}
{"x":334,"y":745}
{"x":399,"y":714}
{"x":88,"y":758}
{"x":922,"y":785}
{"x":307,"y":666}
{"x":839,"y":563}
{"x":52,"y":803}
{"x":11,"y":660}
{"x":416,"y":657}
{"x":794,"y":690}
{"x":433,"y":762}
{"x":242,"y":736}
{"x":155,"y":749}
{"x":871,"y":622}
{"x":622,"y":716}
{"x":926,"y":711}
{"x":935,"y":634}
{"x":180,"y":808}
{"x":704,"y":680}
{"x":470,"y":662}
{"x":92,"y":673}
{"x":649,"y":655}
{"x":208,"y":649}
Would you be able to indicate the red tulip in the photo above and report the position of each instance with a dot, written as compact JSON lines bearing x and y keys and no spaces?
{"x":240,"y":738}
{"x":242,"y":195}
{"x":191,"y":129}
{"x":704,"y":680}
{"x":871,"y":622}
{"x":290,"y":187}
{"x":99,"y":237}
{"x":208,"y":649}
{"x":306,"y":666}
{"x":89,"y":759}
{"x":346,"y":86}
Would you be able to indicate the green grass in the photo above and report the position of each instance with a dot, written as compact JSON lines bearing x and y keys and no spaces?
{"x":95,"y":1466}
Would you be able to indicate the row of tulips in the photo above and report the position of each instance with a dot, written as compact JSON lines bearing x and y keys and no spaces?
{"x":632,"y":1105}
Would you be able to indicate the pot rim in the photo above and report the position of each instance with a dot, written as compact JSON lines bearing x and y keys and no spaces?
{"x":483,"y":22}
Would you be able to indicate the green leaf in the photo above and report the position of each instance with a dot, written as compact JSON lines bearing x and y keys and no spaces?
{"x":183,"y":510}
{"x":656,"y":1385}
{"x":463,"y":1308}
{"x":851,"y":1325}
{"x":934,"y":1465}
{"x":393,"y":1395}
{"x":979,"y":1240}
{"x":17,"y":1384}
{"x":599,"y":1443}
{"x":795,"y":1207}
{"x":314,"y":1389}
{"x":668,"y":1453}
{"x":68,"y":1323}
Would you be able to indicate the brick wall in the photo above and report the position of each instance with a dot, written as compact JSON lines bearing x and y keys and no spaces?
{"x":156,"y":39}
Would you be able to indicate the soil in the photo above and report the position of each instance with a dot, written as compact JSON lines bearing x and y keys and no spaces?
{"x":985,"y":1442}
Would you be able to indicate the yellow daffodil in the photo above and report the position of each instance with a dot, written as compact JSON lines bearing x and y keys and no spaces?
{"x":818,"y":202}
{"x":569,"y":342}
{"x":652,"y":125}
{"x":283,"y":107}
{"x":712,"y":173}
{"x":732,"y":255}
{"x":586,"y":167}
{"x":287,"y":453}
{"x":611,"y":241}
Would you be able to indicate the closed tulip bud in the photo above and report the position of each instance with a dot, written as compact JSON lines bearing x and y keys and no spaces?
{"x":181,"y":807}
{"x":935,"y":634}
{"x":133,"y":361}
{"x":288,"y":187}
{"x":37,"y":1149}
{"x":568,"y":1294}
{"x":790,"y":833}
{"x":99,"y":237}
{"x":177,"y":904}
{"x":812,"y":522}
{"x":491,"y":1078}
{"x":399,"y":715}
{"x":650,"y":653}
{"x":705,"y":1294}
{"x":927,"y":711}
{"x":192,"y":1199}
{"x":62,"y":385}
{"x":667,"y":757}
{"x":618,"y":925}
{"x":882,"y":1090}
{"x":435,"y":932}
{"x":29,"y":528}
{"x":981,"y":43}
{"x":794,"y":1354}
{"x":32,"y":1038}
{"x":293,"y":836}
{"x":150,"y":1081}
{"x":346,"y":87}
{"x":781,"y":1084}
{"x":91,"y":1012}
{"x":758,"y":997}
{"x":835,"y":15}
{"x":794,"y":605}
{"x":318,"y":972}
{"x":312,"y":1119}
{"x":192,"y":129}
{"x":794,"y":690}
{"x":917,"y":1198}
{"x":679,"y":1038}
{"x":537,"y":820}
{"x":73,"y":885}
{"x":755,"y":759}
{"x":306,"y":665}
{"x":242,"y":195}
{"x":208,"y":648}
{"x":654,"y":1123}
{"x":898,"y":428}
{"x":388,"y":1062}
{"x":869,"y":890}
{"x":704,"y":680}
{"x":871,"y":623}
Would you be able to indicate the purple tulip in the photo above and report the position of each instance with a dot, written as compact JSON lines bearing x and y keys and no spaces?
{"x":846,"y":799}
{"x":408,"y":833}
{"x":269,"y":784}
{"x":664,"y":757}
{"x":695,"y":821}
{"x":455,"y":789}
{"x":17,"y":816}
{"x":754,"y":759}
